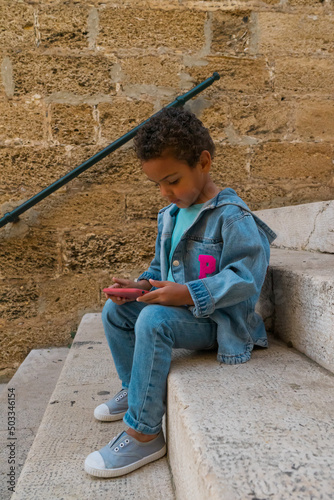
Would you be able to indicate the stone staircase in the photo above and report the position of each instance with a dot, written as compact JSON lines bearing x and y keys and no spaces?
{"x":30,"y":390}
{"x":260,"y":430}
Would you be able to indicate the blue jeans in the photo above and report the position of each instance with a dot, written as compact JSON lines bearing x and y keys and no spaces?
{"x":141,"y":338}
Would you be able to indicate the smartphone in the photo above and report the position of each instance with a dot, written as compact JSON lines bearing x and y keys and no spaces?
{"x":125,"y":293}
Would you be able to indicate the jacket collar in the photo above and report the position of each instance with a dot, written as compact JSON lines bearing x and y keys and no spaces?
{"x":224,"y":197}
{"x":228,"y":197}
{"x":218,"y":200}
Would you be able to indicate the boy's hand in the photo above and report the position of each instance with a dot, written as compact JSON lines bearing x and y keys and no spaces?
{"x":125,"y":283}
{"x":168,"y":294}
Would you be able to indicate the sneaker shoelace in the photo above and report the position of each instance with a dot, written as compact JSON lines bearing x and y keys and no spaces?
{"x":122,"y":394}
{"x":114,"y":439}
{"x":121,"y":445}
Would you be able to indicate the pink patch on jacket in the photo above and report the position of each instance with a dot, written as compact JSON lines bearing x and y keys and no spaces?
{"x":207,"y":265}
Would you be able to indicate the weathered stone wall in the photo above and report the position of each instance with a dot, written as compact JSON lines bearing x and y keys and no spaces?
{"x":76,"y":75}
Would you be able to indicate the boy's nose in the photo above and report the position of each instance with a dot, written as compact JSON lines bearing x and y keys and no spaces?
{"x":165,"y":191}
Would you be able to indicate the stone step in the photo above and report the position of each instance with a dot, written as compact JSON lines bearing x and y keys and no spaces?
{"x":2,"y":387}
{"x":297,"y":302}
{"x":262,"y":429}
{"x":259,"y":430}
{"x":29,"y":392}
{"x":302,"y":227}
{"x":69,"y":432}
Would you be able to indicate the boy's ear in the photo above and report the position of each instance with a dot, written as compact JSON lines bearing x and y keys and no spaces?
{"x":205,"y":160}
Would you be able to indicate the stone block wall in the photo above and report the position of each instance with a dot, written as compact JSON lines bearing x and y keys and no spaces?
{"x":76,"y":75}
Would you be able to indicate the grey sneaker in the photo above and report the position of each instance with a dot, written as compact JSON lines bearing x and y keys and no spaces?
{"x":123,"y":454}
{"x":114,"y":409}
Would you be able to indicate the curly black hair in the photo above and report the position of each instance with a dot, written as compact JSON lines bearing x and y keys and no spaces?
{"x":174,"y":131}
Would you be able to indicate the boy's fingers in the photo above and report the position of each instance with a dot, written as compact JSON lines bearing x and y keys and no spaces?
{"x":121,"y":281}
{"x":149,"y":297}
{"x":158,"y":284}
{"x":162,"y":284}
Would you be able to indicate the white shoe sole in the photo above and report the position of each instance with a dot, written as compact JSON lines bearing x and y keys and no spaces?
{"x":127,"y":468}
{"x":108,"y":418}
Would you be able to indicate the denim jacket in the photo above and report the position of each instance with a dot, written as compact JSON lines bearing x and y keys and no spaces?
{"x":222,"y":258}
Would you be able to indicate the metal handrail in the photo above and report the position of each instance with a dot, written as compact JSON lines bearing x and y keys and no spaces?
{"x":13,"y":216}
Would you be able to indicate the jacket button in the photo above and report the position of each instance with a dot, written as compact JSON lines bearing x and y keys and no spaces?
{"x":176,"y":263}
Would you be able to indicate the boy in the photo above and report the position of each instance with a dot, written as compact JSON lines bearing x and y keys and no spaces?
{"x":210,"y":263}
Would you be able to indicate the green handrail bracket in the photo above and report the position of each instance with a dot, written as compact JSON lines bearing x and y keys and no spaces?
{"x":13,"y":216}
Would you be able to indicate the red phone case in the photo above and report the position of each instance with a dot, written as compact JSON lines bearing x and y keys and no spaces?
{"x":126,"y":293}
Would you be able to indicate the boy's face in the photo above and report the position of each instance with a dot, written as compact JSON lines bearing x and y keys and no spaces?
{"x":178,"y":182}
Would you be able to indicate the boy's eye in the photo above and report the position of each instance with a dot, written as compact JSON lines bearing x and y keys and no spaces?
{"x":174,"y":182}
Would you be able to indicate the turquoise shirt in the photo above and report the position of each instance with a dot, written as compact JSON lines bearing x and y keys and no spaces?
{"x":184,"y":220}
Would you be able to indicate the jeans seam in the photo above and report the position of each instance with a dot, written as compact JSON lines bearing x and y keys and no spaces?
{"x":148,"y":383}
{"x":152,"y":361}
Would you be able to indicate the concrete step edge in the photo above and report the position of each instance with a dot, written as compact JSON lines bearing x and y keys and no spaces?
{"x":297,"y":302}
{"x":302,"y":227}
{"x":262,"y":429}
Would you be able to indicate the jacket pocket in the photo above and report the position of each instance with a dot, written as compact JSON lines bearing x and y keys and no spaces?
{"x":202,"y":259}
